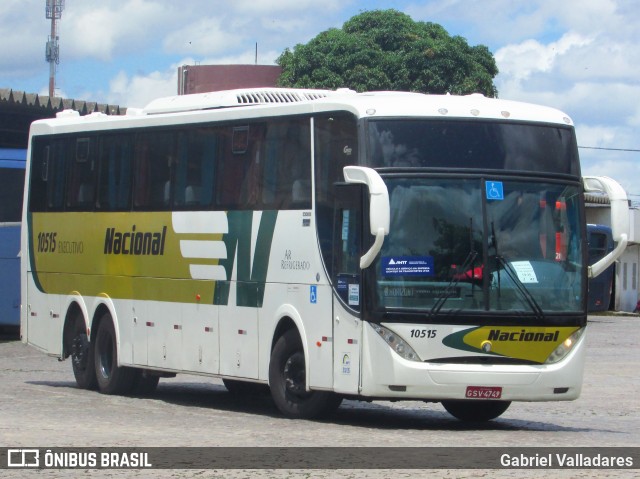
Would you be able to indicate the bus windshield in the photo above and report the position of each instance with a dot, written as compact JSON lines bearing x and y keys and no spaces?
{"x":477,"y":223}
{"x":452,"y":246}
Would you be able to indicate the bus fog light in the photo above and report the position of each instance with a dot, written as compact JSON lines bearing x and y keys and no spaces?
{"x":565,"y":347}
{"x":397,"y":344}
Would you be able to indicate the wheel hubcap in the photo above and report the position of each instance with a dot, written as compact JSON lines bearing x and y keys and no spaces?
{"x":79,"y":351}
{"x":294,"y":374}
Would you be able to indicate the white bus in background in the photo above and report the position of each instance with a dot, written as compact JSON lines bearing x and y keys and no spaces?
{"x":327,"y":244}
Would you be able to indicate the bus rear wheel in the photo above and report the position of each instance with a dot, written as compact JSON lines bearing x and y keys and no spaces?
{"x":82,"y":357}
{"x":287,"y":379}
{"x":112,"y":379}
{"x":475,"y":411}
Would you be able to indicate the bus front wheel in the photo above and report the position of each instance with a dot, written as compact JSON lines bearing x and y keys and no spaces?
{"x":287,"y":379}
{"x":475,"y":411}
{"x":112,"y":379}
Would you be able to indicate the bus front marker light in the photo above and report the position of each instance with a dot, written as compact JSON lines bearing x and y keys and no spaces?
{"x":396,"y":343}
{"x":486,"y":346}
{"x":561,"y":351}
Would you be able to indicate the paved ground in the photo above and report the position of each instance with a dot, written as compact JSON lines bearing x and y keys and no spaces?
{"x":41,"y":406}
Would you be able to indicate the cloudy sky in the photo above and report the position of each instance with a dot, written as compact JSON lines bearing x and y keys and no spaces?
{"x":581,"y":56}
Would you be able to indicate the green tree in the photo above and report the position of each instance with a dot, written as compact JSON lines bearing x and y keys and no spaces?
{"x":387,"y":50}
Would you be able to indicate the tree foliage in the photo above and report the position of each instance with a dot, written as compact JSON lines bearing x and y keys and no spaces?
{"x":387,"y":50}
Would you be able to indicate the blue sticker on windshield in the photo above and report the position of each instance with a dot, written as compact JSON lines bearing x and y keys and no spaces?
{"x":494,"y":190}
{"x":407,"y":266}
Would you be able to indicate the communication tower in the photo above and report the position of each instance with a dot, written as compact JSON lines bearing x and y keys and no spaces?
{"x":52,"y":53}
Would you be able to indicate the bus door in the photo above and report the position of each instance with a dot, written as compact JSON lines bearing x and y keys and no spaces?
{"x":347,"y":283}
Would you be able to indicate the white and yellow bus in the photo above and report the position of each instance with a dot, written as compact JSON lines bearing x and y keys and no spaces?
{"x":327,"y":244}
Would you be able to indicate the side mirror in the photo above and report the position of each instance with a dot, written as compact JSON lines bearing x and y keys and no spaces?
{"x":619,"y":218}
{"x":379,"y":208}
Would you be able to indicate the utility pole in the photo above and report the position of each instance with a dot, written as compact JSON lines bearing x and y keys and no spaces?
{"x":52,"y":53}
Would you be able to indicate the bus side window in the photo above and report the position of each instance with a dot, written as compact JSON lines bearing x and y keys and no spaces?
{"x":11,"y":187}
{"x":156,"y":158}
{"x":82,"y":176}
{"x":209,"y":155}
{"x":192,"y":177}
{"x":286,"y":175}
{"x":41,"y":152}
{"x":56,"y":173}
{"x":597,"y":246}
{"x":335,"y":138}
{"x":115,"y":158}
{"x":233,"y":168}
{"x":297,"y":165}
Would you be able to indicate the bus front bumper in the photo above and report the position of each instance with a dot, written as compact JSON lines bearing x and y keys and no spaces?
{"x":385,"y":374}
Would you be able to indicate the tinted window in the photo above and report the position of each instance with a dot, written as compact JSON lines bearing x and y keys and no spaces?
{"x":472,"y":144}
{"x":81,"y":185}
{"x":116,"y":158}
{"x":336,"y":146}
{"x":155,"y":160}
{"x":259,"y":165}
{"x":11,"y":187}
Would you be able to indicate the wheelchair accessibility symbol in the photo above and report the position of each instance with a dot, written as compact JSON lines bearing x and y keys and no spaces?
{"x":313,"y":294}
{"x":494,"y":190}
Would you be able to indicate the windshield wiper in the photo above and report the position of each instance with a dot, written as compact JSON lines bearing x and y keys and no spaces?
{"x":513,"y":275}
{"x":451,"y":287}
{"x":522,"y":289}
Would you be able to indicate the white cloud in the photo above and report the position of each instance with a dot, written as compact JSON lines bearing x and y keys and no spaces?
{"x":601,"y":153}
{"x":206,"y":36}
{"x":136,"y":91}
{"x":283,"y":7}
{"x":102,"y":29}
{"x":23,"y":39}
{"x":517,"y":62}
{"x":620,"y":167}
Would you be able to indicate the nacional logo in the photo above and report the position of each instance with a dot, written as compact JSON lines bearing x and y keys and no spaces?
{"x":133,"y":242}
{"x":523,"y":335}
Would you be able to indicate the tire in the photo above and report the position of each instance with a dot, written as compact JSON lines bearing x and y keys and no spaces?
{"x":287,"y":379}
{"x":475,"y":411}
{"x":245,"y":388}
{"x":82,"y":357}
{"x":112,"y":379}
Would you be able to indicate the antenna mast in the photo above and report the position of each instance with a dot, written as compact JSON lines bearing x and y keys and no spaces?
{"x":52,"y":53}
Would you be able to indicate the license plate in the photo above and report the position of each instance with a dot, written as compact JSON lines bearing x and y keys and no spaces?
{"x":483,"y":392}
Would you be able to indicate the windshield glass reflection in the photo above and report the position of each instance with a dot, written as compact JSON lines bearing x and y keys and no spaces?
{"x":452,"y":246}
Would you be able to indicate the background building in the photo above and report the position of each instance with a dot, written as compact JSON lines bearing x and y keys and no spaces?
{"x":206,"y":78}
{"x":19,"y":109}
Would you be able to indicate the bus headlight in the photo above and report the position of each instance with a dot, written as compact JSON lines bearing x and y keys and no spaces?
{"x":563,"y":348}
{"x":396,"y":343}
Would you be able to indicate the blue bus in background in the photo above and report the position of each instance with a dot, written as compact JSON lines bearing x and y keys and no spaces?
{"x":600,"y":240}
{"x":12,"y":165}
